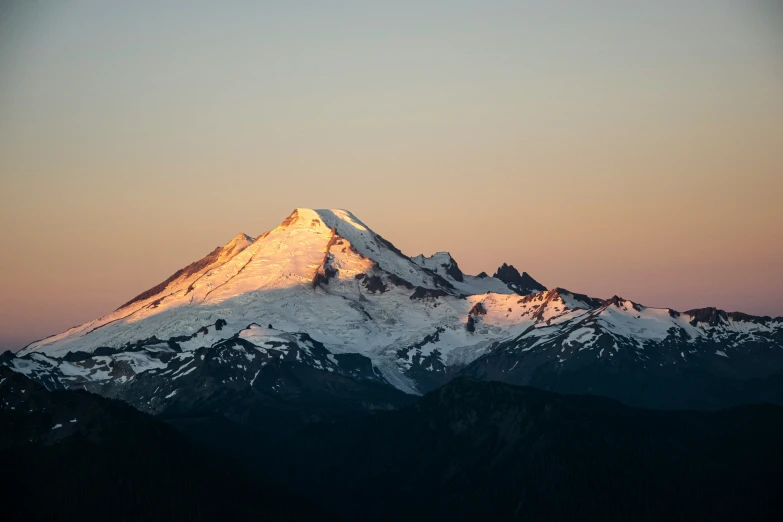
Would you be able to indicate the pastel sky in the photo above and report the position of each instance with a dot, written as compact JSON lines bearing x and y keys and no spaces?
{"x":607,"y":147}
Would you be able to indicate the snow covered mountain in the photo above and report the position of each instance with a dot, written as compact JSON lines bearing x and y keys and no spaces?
{"x":322,"y":298}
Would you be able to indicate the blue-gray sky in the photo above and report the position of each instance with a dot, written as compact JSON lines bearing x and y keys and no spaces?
{"x":608,"y":147}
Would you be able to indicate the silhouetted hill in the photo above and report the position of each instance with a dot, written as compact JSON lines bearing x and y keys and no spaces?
{"x":475,"y":450}
{"x":470,"y":450}
{"x":71,"y":455}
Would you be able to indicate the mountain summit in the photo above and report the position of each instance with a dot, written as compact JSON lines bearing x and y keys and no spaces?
{"x":521,"y":283}
{"x":317,"y":265}
{"x":322,"y":304}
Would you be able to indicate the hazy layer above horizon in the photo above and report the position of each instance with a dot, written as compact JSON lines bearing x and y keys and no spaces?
{"x":608,"y":149}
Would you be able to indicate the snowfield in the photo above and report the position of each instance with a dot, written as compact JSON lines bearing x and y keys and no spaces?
{"x":324,"y":275}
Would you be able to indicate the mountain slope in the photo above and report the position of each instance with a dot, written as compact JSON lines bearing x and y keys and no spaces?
{"x":72,"y":455}
{"x":648,"y":357}
{"x":326,"y":294}
{"x":265,"y":378}
{"x":320,"y":273}
{"x":470,"y":450}
{"x":489,"y":451}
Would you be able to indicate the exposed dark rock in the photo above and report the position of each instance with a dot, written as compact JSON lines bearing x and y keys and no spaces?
{"x":325,"y":272}
{"x":520,"y":283}
{"x":402,"y":353}
{"x":121,"y":369}
{"x":390,"y":246}
{"x":440,"y":281}
{"x":619,"y":302}
{"x":330,"y":272}
{"x":105,"y":350}
{"x":482,"y":275}
{"x":181,"y":338}
{"x":374,"y":284}
{"x":291,"y":219}
{"x":452,"y":269}
{"x":711,"y":316}
{"x":559,"y":292}
{"x":747,"y":318}
{"x":357,"y":365}
{"x":398,"y":281}
{"x":77,"y":356}
{"x":479,"y":309}
{"x":471,"y":325}
{"x":219,"y":324}
{"x":322,"y":277}
{"x":421,"y":293}
{"x":355,"y":252}
{"x":426,"y":365}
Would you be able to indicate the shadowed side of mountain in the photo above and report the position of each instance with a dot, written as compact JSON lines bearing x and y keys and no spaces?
{"x":474,"y":449}
{"x":469,"y":450}
{"x":485,"y":450}
{"x":71,"y":455}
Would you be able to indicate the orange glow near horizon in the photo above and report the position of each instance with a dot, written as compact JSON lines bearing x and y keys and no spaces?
{"x":619,"y":151}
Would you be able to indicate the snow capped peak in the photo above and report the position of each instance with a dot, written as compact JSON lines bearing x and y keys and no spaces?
{"x":625,"y":304}
{"x":367,"y":242}
{"x":340,"y":218}
{"x":325,"y":273}
{"x":303,"y":218}
{"x":324,"y":282}
{"x":442,"y":255}
{"x":330,"y":218}
{"x":239,"y":238}
{"x":438,"y":257}
{"x":573,"y":300}
{"x":238,"y":243}
{"x":711,"y":316}
{"x":441,"y":263}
